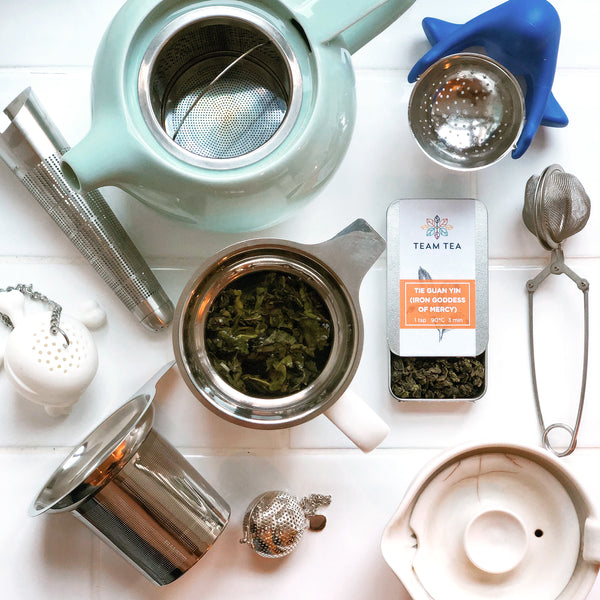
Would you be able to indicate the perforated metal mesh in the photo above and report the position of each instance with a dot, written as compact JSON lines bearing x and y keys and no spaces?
{"x":465,"y":111}
{"x":92,"y":227}
{"x":274,"y":524}
{"x":158,"y":512}
{"x":555,"y":208}
{"x":237,"y":113}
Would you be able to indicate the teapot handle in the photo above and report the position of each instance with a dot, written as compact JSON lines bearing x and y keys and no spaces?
{"x":96,"y":161}
{"x":351,"y":253}
{"x":357,"y":23}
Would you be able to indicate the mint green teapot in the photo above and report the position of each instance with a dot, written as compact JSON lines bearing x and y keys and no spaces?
{"x":226,"y":115}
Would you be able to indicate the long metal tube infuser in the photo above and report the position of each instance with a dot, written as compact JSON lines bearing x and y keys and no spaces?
{"x":32,"y":146}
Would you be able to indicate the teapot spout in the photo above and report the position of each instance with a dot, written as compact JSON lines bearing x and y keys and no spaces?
{"x":356,"y":24}
{"x":93,"y":162}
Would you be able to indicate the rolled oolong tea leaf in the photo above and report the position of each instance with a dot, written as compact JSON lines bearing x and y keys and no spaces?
{"x":268,"y":334}
{"x":437,"y":378}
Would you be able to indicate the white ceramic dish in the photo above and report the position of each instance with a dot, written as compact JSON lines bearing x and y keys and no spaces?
{"x":494,"y":520}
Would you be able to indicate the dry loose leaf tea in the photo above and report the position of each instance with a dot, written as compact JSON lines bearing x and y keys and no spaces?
{"x":437,"y":378}
{"x":268,"y":334}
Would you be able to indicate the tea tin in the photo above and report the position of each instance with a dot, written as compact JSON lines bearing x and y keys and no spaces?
{"x":437,"y":292}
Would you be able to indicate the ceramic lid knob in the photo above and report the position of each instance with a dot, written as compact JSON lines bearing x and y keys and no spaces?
{"x":495,"y":541}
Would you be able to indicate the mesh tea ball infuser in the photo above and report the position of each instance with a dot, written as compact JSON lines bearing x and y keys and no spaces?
{"x":49,"y":358}
{"x":275,"y":521}
{"x":555,"y":208}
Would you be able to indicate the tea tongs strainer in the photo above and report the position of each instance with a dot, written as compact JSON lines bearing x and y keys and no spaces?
{"x":556,"y":207}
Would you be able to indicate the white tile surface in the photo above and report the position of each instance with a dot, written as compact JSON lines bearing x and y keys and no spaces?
{"x":364,"y":490}
{"x":41,"y":558}
{"x":50,"y":46}
{"x":52,"y":33}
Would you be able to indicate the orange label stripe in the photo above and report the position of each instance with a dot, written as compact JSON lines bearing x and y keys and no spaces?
{"x":437,"y":304}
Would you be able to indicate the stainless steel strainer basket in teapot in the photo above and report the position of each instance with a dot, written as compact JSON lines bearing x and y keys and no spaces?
{"x":220,"y":88}
{"x":334,"y":270}
{"x":228,"y":115}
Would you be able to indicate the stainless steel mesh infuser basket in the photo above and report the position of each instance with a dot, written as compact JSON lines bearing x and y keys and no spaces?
{"x":138,"y":493}
{"x":466,"y":111}
{"x":556,"y":206}
{"x":219,"y":87}
{"x":32,"y":147}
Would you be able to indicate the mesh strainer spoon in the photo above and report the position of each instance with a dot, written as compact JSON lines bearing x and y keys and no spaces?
{"x":556,"y":207}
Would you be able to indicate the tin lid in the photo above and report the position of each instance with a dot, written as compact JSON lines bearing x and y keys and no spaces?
{"x":493,"y":520}
{"x":101,"y":455}
{"x":437,"y":277}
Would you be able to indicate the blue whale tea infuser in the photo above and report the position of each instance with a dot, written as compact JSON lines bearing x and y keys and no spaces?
{"x":523,"y":37}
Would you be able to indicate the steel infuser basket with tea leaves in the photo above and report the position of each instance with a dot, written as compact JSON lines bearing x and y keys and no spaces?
{"x":268,"y":333}
{"x":437,"y":299}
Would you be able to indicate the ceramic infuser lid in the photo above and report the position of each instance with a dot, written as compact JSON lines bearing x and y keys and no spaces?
{"x":494,"y":520}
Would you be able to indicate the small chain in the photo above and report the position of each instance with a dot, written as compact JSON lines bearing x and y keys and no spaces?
{"x":311,"y":503}
{"x":28,"y":291}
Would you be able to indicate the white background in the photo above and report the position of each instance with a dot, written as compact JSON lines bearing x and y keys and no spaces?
{"x":50,"y":46}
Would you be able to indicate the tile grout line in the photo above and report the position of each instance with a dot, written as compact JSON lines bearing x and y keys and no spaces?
{"x":186,"y":263}
{"x":223,"y":451}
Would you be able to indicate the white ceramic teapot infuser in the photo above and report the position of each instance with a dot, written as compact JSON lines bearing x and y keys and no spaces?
{"x":49,"y":358}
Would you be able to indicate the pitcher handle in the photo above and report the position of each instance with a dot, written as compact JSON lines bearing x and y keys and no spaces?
{"x":358,"y":421}
{"x":357,"y":23}
{"x":351,"y":253}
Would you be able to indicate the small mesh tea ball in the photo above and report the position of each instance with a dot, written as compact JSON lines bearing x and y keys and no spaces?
{"x":275,"y":522}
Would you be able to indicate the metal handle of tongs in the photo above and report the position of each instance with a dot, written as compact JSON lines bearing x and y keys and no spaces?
{"x":557,"y":267}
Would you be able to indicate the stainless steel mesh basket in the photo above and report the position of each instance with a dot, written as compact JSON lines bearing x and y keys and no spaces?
{"x":138,"y":493}
{"x":466,"y":111}
{"x":219,"y":83}
{"x":556,"y":206}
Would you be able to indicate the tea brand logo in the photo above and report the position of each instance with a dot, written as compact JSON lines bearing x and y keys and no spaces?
{"x":436,"y":227}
